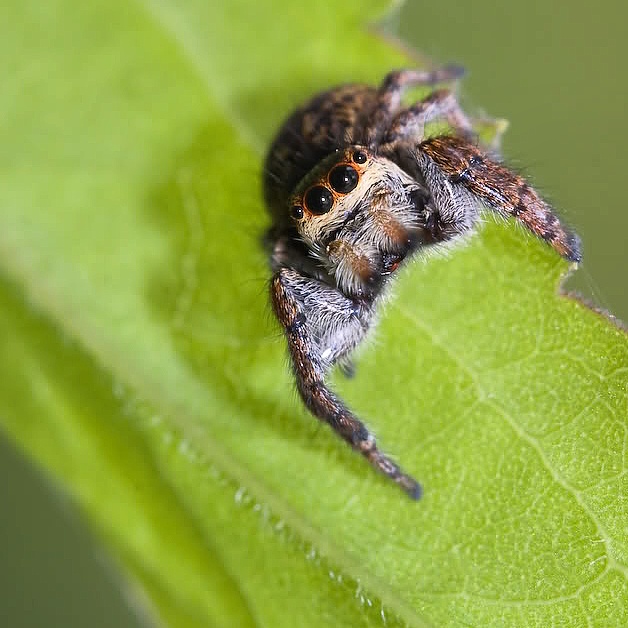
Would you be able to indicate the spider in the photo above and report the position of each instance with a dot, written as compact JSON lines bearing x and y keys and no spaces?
{"x":354,"y":188}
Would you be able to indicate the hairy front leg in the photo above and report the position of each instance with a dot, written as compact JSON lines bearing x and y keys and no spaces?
{"x":311,"y":362}
{"x":463,"y":166}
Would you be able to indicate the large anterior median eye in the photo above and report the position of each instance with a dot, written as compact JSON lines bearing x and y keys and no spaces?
{"x":343,"y":178}
{"x":319,"y":200}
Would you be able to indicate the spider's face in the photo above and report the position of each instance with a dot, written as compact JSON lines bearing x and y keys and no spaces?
{"x":337,"y":189}
{"x":331,"y":193}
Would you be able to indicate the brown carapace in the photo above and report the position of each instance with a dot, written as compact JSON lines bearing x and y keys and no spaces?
{"x":354,"y":188}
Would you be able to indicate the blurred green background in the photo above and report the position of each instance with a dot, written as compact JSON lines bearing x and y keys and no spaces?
{"x":556,"y":71}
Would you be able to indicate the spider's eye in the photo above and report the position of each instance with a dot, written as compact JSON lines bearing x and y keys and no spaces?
{"x":359,"y":157}
{"x":343,"y":179}
{"x":297,"y":212}
{"x":319,"y":200}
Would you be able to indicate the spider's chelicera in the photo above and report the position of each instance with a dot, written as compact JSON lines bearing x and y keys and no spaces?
{"x":354,"y":188}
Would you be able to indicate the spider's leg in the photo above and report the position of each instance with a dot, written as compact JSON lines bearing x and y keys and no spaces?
{"x":347,"y":368}
{"x":293,"y":296}
{"x":409,"y":124}
{"x":465,"y":167}
{"x":391,"y":91}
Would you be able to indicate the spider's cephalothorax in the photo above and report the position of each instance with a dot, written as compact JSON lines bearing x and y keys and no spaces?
{"x":354,"y":187}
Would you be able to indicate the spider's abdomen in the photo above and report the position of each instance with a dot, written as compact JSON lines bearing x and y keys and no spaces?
{"x":331,"y":120}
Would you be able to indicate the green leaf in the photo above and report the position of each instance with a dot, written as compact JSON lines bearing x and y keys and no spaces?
{"x":143,"y":369}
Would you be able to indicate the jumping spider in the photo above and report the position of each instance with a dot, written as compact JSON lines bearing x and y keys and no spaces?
{"x":354,"y":187}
